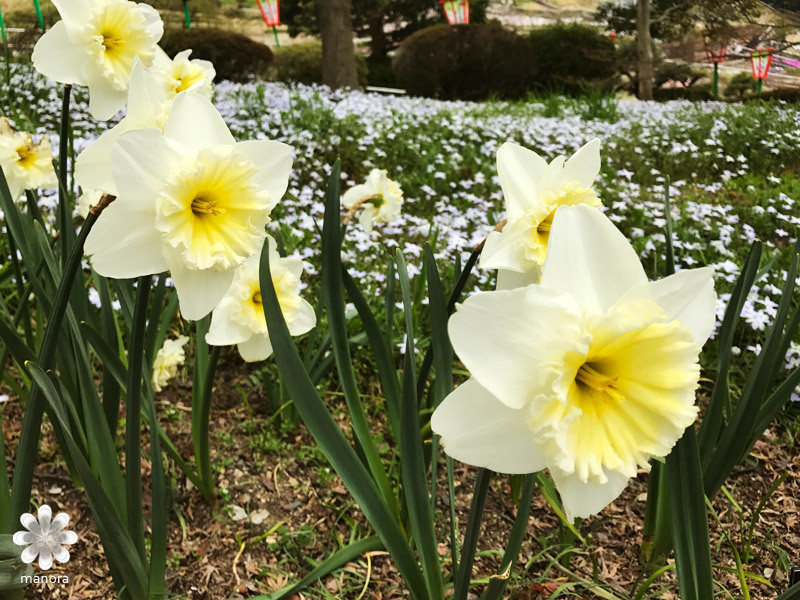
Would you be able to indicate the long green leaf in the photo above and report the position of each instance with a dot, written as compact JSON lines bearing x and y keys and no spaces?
{"x":331,"y":440}
{"x":471,"y":534}
{"x":689,"y":519}
{"x":333,"y":297}
{"x":119,"y":547}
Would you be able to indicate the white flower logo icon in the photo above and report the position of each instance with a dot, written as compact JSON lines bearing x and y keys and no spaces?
{"x":45,"y":537}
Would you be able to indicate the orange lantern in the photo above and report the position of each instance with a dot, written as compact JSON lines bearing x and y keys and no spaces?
{"x":456,"y":11}
{"x":760,"y":61}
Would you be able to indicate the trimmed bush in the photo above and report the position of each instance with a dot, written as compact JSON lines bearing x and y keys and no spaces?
{"x":235,"y":56}
{"x":468,"y":62}
{"x":740,"y":86}
{"x":696,"y":93}
{"x":572,"y":58}
{"x":784,"y":94}
{"x":379,"y":71}
{"x":302,"y":63}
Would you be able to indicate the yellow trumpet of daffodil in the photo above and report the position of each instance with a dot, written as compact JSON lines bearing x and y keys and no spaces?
{"x":239,"y":317}
{"x":190,"y":200}
{"x":533,"y":190}
{"x":589,"y":374}
{"x":95,"y":44}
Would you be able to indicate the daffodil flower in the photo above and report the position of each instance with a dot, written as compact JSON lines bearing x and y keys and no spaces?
{"x":182,"y":73}
{"x":26,"y":164}
{"x":589,"y":374}
{"x":379,"y":198}
{"x":533,"y":191}
{"x":168,"y":358}
{"x":149,"y":104}
{"x":95,"y":44}
{"x":189,"y":200}
{"x":239,"y":317}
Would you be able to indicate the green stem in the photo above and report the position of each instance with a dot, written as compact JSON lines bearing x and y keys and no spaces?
{"x":39,"y":14}
{"x":64,"y":210}
{"x":202,"y":446}
{"x":187,"y":18}
{"x":133,"y":419}
{"x":275,"y":32}
{"x":27,"y":449}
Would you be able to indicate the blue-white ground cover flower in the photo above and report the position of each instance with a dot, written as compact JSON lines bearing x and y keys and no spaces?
{"x":589,"y":374}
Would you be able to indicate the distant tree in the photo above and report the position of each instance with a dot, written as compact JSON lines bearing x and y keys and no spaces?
{"x":371,"y":18}
{"x":644,"y":50}
{"x":670,"y":19}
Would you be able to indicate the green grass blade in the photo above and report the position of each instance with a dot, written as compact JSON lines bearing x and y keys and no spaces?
{"x":335,"y":561}
{"x":112,"y":389}
{"x":331,"y":440}
{"x":689,"y":519}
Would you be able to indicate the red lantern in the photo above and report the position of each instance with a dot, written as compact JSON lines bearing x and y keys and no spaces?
{"x":270,"y":12}
{"x":456,"y":11}
{"x":760,"y":61}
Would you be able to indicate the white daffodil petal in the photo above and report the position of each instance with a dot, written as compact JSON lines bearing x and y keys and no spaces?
{"x":199,"y":291}
{"x":477,"y":429}
{"x":73,"y":12}
{"x":125,"y":243}
{"x":509,"y":280}
{"x":104,"y":100}
{"x":687,"y":296}
{"x":274,"y":161}
{"x":589,"y":258}
{"x":57,"y":57}
{"x":584,"y":165}
{"x":146,"y":98}
{"x":304,"y":319}
{"x":520,"y":170}
{"x":195,"y":123}
{"x":354,"y":193}
{"x":258,"y":347}
{"x":141,"y":161}
{"x":505,"y":250}
{"x":225,"y":330}
{"x":584,"y":499}
{"x":506,"y":338}
{"x":93,"y":165}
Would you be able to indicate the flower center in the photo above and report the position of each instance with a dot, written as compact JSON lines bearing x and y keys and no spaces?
{"x":112,"y":40}
{"x":596,"y":380}
{"x":256,"y":298}
{"x":27,"y":156}
{"x":213,"y":213}
{"x":121,"y":34}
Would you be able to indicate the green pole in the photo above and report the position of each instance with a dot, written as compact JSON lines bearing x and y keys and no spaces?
{"x":3,"y":30}
{"x":186,"y":16}
{"x":275,"y":32}
{"x":716,"y":81}
{"x":758,"y":89}
{"x":39,"y":14}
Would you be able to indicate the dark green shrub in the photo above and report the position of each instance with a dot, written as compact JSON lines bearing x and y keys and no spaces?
{"x":695,"y":93}
{"x":785,"y":94}
{"x":573,"y":58}
{"x":302,"y":63}
{"x":379,"y":72}
{"x":740,"y":86}
{"x":468,"y":62}
{"x":235,"y":56}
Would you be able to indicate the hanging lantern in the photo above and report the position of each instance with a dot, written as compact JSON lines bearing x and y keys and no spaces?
{"x":270,"y":12}
{"x":715,"y":54}
{"x":759,"y":62}
{"x":456,"y":11}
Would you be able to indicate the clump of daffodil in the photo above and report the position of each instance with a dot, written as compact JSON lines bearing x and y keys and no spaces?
{"x":149,"y":104}
{"x":533,"y":191}
{"x":26,"y":164}
{"x":189,"y":200}
{"x":169,"y":357}
{"x":182,"y":73}
{"x":239,"y":317}
{"x":590,"y":373}
{"x":379,"y":199}
{"x":95,"y":45}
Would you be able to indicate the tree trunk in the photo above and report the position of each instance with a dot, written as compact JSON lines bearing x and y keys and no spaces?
{"x":338,"y":52}
{"x":644,"y":48}
{"x":378,"y":43}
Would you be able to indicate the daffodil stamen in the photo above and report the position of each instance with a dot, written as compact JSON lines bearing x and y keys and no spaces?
{"x":256,"y":298}
{"x":201,"y":206}
{"x":590,"y":376}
